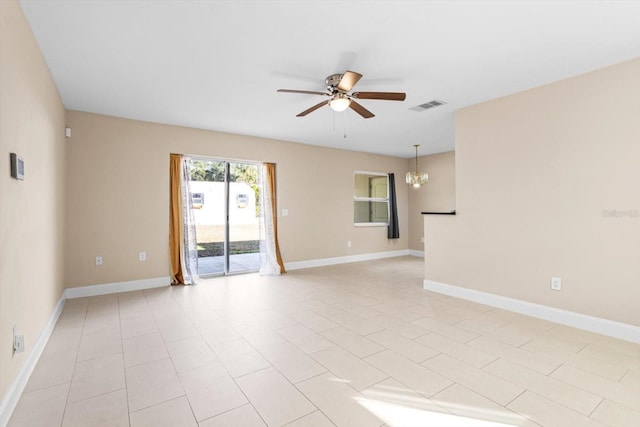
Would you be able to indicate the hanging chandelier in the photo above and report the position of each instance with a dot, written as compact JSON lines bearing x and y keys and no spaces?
{"x":417,"y":179}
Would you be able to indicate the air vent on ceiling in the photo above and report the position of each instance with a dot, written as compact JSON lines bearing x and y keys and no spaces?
{"x":428,"y":105}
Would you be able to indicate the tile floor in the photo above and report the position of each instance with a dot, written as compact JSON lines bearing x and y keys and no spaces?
{"x":350,"y":345}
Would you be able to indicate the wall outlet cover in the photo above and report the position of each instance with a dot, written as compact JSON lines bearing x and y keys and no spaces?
{"x":18,"y":340}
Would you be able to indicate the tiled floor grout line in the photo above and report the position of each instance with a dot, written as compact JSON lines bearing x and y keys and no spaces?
{"x":555,"y":369}
{"x":623,"y":376}
{"x":506,"y":405}
{"x":597,"y":406}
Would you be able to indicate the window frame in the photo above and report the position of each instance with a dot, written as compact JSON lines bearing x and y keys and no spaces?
{"x":357,"y":198}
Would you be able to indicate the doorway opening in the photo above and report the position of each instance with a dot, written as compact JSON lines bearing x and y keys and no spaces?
{"x":225,"y":200}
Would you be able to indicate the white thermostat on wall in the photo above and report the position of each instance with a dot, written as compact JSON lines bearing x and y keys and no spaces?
{"x":17,"y":166}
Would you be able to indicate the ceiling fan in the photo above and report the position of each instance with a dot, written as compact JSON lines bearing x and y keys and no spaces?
{"x":338,"y":88}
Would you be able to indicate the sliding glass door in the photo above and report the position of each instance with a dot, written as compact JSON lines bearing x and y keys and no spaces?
{"x":243,"y":227}
{"x":225,"y":202}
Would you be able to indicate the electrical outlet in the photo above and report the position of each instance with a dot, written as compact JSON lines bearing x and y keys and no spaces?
{"x":556,"y":283}
{"x":422,"y":239}
{"x":98,"y":260}
{"x":348,"y":243}
{"x":142,"y":256}
{"x":18,"y":340}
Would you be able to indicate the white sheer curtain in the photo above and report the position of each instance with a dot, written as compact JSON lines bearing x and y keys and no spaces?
{"x":268,"y":259}
{"x":189,"y":245}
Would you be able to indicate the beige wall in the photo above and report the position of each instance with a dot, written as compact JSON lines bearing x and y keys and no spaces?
{"x":438,"y":195}
{"x":536,"y":174}
{"x":31,"y":211}
{"x":117,"y":200}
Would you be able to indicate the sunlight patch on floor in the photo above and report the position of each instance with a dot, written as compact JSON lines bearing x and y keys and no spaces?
{"x":403,"y":416}
{"x":404,"y":408}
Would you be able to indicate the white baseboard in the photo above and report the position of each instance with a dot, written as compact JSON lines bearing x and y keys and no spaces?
{"x":12,"y":396}
{"x":581,"y":321}
{"x":113,"y":288}
{"x":343,"y":259}
{"x":419,"y":254}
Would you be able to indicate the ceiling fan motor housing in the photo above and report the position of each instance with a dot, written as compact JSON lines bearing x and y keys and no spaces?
{"x":333,"y":81}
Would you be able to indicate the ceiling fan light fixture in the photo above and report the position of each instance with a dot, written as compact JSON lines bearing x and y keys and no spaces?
{"x":417,"y":179}
{"x":339,"y":102}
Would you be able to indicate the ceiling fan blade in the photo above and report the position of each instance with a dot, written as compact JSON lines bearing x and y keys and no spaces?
{"x":349,"y":80}
{"x":310,"y":92}
{"x":312,"y":109}
{"x":360,"y":110}
{"x":387,"y":96}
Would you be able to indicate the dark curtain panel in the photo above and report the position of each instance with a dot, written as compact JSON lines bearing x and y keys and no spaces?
{"x":394,"y":230}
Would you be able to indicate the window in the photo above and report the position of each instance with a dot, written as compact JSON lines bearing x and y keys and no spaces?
{"x":197,"y":200}
{"x":242,"y":200}
{"x":371,"y":199}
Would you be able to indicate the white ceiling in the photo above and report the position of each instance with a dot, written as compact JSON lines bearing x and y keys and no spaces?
{"x":217,"y":64}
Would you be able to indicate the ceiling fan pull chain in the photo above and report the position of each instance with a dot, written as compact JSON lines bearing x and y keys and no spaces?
{"x":345,"y":125}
